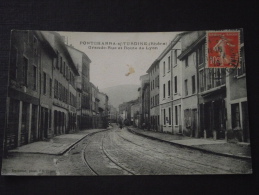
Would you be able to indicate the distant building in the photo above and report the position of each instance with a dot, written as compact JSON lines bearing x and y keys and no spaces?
{"x":153,"y":72}
{"x":135,"y":117}
{"x":65,"y":71}
{"x":82,"y":62}
{"x":146,"y":105}
{"x":103,"y":110}
{"x":94,"y":105}
{"x":112,"y":114}
{"x":143,"y":94}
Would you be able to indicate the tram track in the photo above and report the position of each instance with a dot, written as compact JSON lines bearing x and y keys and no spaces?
{"x":105,"y":155}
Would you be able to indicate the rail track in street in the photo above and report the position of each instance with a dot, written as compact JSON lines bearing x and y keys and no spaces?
{"x":105,"y":155}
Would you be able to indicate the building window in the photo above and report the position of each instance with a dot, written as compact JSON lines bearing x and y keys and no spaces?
{"x":57,"y":64}
{"x":61,"y":65}
{"x":50,"y":87}
{"x":176,"y":115}
{"x":164,"y":68}
{"x":169,"y":88}
{"x":44,"y":83}
{"x":235,"y":116}
{"x":186,"y":87}
{"x":25,"y":70}
{"x":50,"y":120}
{"x":208,"y":78}
{"x":164,"y":117}
{"x":186,"y":62}
{"x":202,"y":80}
{"x":67,"y":75}
{"x":164,"y":91}
{"x":13,"y":63}
{"x":169,"y":63}
{"x":64,"y":69}
{"x":55,"y":89}
{"x":242,"y":69}
{"x":175,"y":84}
{"x":34,"y":77}
{"x":193,"y":84}
{"x":169,"y":111}
{"x":175,"y":57}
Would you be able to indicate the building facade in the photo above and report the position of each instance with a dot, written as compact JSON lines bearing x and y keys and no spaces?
{"x":82,"y":62}
{"x":64,"y":72}
{"x":26,"y":106}
{"x":144,"y":79}
{"x":191,"y":58}
{"x":49,"y":89}
{"x":237,"y":108}
{"x":103,"y":110}
{"x":112,"y":114}
{"x":153,"y":73}
{"x":94,"y":105}
{"x":135,"y":117}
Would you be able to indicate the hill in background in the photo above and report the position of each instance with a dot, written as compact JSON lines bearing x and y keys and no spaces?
{"x":121,"y":93}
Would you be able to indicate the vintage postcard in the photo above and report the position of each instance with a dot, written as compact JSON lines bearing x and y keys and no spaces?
{"x":161,"y":103}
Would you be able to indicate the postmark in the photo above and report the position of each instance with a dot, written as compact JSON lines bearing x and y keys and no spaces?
{"x":223,"y":49}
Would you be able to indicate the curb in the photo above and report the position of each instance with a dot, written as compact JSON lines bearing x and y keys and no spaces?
{"x":192,"y":147}
{"x":62,"y":152}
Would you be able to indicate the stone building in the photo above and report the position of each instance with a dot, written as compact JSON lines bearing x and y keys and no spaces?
{"x":28,"y":110}
{"x":153,"y":72}
{"x":165,"y":90}
{"x":237,"y":108}
{"x":94,"y":105}
{"x":82,"y":62}
{"x":103,"y":110}
{"x":112,"y":114}
{"x":144,"y":117}
{"x":177,"y":85}
{"x":146,"y":105}
{"x":64,"y":73}
{"x":192,"y":57}
{"x":135,"y":114}
{"x":125,"y":113}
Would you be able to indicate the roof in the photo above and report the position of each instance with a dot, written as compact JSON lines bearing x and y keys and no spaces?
{"x":45,"y":43}
{"x":60,"y":42}
{"x":168,"y":48}
{"x":70,"y":46}
{"x":191,"y":47}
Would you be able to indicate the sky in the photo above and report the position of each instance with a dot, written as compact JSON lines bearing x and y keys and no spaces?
{"x":109,"y":66}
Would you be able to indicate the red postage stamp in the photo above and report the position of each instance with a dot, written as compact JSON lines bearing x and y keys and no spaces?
{"x":223,"y":49}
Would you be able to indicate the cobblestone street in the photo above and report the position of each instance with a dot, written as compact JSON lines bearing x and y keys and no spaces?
{"x":120,"y":152}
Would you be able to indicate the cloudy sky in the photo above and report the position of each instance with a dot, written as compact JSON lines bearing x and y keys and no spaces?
{"x":110,"y":66}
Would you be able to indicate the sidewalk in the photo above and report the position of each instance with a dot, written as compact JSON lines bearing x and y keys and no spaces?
{"x":218,"y":147}
{"x":57,"y":145}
